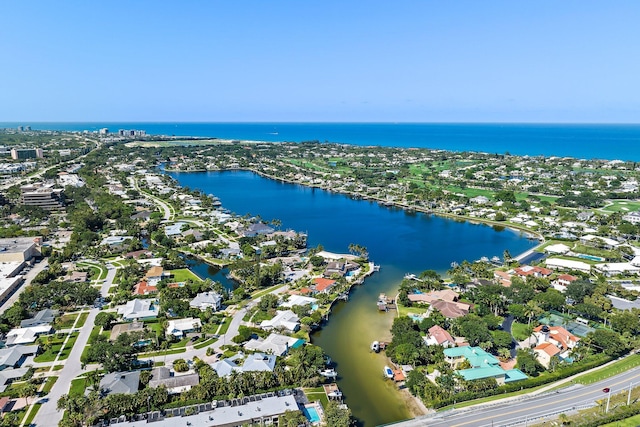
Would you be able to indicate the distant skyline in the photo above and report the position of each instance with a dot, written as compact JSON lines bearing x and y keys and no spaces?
{"x":331,"y":61}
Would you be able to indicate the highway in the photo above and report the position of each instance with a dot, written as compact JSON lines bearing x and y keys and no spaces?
{"x":530,"y":409}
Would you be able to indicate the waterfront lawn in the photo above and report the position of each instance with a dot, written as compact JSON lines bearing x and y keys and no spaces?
{"x":406,"y":311}
{"x":315,"y":394}
{"x":590,"y":250}
{"x":183,"y":274}
{"x":520,"y":331}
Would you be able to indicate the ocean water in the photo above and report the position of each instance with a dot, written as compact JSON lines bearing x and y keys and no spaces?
{"x":588,"y":141}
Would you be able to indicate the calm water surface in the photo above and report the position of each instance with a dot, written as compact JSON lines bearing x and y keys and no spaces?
{"x":401,"y":243}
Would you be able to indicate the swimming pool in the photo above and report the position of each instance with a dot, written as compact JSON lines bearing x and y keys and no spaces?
{"x":590,"y":257}
{"x":311,"y":413}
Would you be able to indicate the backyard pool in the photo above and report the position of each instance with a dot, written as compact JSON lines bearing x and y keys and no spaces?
{"x":311,"y":413}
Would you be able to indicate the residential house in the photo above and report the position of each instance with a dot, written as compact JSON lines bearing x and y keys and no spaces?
{"x":139,"y":309}
{"x":320,"y":284}
{"x":282,"y":320}
{"x":556,"y":335}
{"x":632,"y":217}
{"x":274,"y":344}
{"x":438,"y":336}
{"x":155,"y":275}
{"x":256,"y":229}
{"x":502,"y":277}
{"x":180,"y":327}
{"x":197,"y":235}
{"x":14,"y":357}
{"x":206,"y":300}
{"x":43,"y":317}
{"x":341,"y":268}
{"x":226,"y":367}
{"x":567,"y":264}
{"x":27,"y":335}
{"x":444,"y":301}
{"x":259,"y":362}
{"x":127,"y":328}
{"x":120,"y":383}
{"x":10,"y":375}
{"x":163,"y":376}
{"x":143,"y":288}
{"x":562,"y":281}
{"x":299,"y":300}
{"x":483,"y":365}
{"x":174,"y":230}
{"x":532,"y":271}
{"x":545,"y":352}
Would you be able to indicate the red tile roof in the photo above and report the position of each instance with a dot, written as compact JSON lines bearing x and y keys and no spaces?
{"x":143,"y":288}
{"x":323,"y":284}
{"x":440,"y":335}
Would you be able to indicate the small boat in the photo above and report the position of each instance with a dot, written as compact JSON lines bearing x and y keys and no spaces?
{"x":375,"y":346}
{"x":388,"y":372}
{"x":336,"y":394}
{"x":376,"y":267}
{"x":410,"y":276}
{"x":329,"y":373}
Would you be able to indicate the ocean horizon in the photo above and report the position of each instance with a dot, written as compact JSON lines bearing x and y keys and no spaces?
{"x":580,"y":141}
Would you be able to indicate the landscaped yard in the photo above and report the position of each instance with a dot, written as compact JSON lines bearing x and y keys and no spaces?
{"x":613,"y":369}
{"x":77,"y":387}
{"x":183,"y":274}
{"x":66,"y":321}
{"x":520,"y":331}
{"x":315,"y":394}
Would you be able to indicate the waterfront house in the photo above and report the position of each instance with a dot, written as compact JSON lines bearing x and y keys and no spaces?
{"x":256,"y":229}
{"x":206,"y":300}
{"x":450,"y":310}
{"x":299,"y":300}
{"x":438,"y":336}
{"x":444,"y":301}
{"x":139,"y":309}
{"x":483,"y":365}
{"x":179,"y":327}
{"x":274,"y":344}
{"x":283,"y":320}
{"x":259,"y":362}
{"x":567,"y":264}
{"x":320,"y":284}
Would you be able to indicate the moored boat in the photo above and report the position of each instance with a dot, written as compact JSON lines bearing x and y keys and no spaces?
{"x":388,"y":372}
{"x":375,"y":346}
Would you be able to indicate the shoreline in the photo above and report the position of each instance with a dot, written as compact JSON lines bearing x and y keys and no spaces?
{"x":406,"y":208}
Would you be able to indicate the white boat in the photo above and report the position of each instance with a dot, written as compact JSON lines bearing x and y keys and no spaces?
{"x":375,"y":346}
{"x":388,"y":372}
{"x":335,"y":393}
{"x":410,"y":276}
{"x":329,"y":373}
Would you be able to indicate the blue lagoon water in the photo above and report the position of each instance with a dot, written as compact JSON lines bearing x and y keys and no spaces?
{"x":602,"y":141}
{"x":400,"y":242}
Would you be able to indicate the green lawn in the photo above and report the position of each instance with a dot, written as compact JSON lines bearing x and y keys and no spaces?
{"x":405,"y":311}
{"x":225,"y":326}
{"x":183,"y":274}
{"x":50,"y":354}
{"x":82,"y":319}
{"x":629,"y":422}
{"x":205,"y":343}
{"x":520,"y":331}
{"x":77,"y":387}
{"x":622,"y":206}
{"x":611,"y":370}
{"x":49,"y":384}
{"x":67,"y":348}
{"x":315,"y":394}
{"x":263,"y":292}
{"x":34,"y":411}
{"x":66,"y":321}
{"x":162,"y":353}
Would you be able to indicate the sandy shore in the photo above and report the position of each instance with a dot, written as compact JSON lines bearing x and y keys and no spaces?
{"x":414,"y":404}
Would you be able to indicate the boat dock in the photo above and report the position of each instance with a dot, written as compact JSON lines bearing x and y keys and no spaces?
{"x":332,"y":391}
{"x":385,"y":303}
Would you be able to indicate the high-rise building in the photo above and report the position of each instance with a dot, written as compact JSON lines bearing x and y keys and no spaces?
{"x":26,"y":153}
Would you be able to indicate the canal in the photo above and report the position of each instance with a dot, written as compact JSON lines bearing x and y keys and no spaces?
{"x":398,"y":241}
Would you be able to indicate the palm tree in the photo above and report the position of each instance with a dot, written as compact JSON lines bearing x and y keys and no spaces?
{"x":531,"y":309}
{"x":506,"y":256}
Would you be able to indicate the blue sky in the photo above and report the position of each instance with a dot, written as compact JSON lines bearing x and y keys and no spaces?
{"x":415,"y":61}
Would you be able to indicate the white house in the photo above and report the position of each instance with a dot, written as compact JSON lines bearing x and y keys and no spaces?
{"x":180,"y":327}
{"x":283,"y":319}
{"x":139,"y":309}
{"x":206,"y":300}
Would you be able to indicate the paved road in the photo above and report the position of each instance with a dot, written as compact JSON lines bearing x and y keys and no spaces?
{"x":525,"y":410}
{"x":48,"y":414}
{"x":28,"y":278}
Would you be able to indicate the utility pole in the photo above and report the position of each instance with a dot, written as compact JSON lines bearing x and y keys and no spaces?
{"x":606,"y":411}
{"x":629,"y":395}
